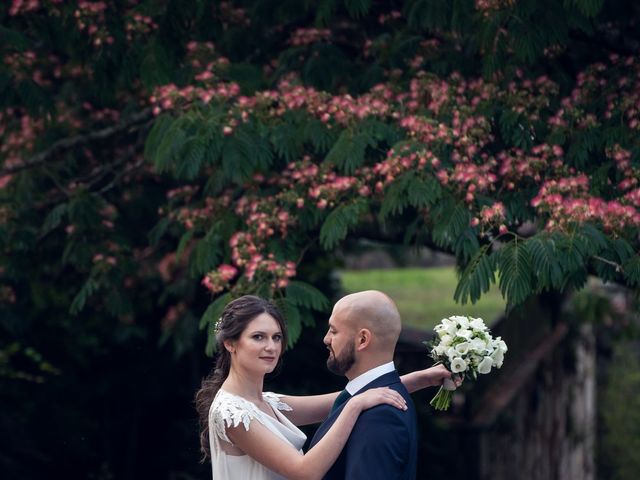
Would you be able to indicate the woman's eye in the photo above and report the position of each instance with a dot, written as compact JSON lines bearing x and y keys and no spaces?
{"x":277,"y":338}
{"x":258,"y":337}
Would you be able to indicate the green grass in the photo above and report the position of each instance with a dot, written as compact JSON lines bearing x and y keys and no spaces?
{"x":424,"y":295}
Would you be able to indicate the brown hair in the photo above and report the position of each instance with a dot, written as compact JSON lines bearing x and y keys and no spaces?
{"x":235,"y":318}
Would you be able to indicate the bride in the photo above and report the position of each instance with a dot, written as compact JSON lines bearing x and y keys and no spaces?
{"x":251,"y":434}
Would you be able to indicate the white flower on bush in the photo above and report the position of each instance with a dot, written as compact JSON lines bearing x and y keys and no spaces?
{"x":458,"y":365}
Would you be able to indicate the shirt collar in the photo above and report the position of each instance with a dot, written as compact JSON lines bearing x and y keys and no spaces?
{"x":355,"y":385}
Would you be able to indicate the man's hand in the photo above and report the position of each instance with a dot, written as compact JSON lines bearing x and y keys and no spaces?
{"x":429,"y":377}
{"x":436,"y":375}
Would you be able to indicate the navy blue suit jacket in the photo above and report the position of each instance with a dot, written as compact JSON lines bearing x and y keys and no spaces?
{"x":383,"y":443}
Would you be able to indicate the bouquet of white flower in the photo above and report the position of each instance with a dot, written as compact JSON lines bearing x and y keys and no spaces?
{"x":465,"y":346}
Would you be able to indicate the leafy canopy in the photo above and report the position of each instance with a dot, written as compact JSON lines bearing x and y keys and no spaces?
{"x":157,"y":150}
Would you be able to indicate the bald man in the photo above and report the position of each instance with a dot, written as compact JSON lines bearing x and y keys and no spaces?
{"x":363,"y":331}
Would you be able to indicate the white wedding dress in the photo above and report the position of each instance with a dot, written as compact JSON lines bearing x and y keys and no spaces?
{"x":229,"y":410}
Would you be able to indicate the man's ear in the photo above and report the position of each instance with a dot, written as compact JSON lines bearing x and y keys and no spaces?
{"x":230,"y":346}
{"x":363,"y":338}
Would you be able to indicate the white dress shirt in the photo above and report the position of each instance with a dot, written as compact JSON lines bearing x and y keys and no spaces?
{"x":355,"y":385}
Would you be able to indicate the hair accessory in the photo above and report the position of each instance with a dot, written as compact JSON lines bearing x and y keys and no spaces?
{"x":218,"y":325}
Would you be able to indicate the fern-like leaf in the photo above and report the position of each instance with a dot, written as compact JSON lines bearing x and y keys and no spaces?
{"x":632,"y":270}
{"x":357,"y":8}
{"x":79,"y":301}
{"x":515,"y":272}
{"x":545,"y":262}
{"x":336,"y":226}
{"x":54,"y":218}
{"x":306,"y":295}
{"x":477,"y":277}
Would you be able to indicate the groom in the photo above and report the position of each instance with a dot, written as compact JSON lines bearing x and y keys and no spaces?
{"x":363,"y":330}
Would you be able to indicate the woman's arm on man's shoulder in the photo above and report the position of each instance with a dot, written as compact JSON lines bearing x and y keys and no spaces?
{"x":308,"y":409}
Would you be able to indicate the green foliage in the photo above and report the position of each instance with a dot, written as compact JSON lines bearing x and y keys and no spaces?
{"x":547,"y":270}
{"x":209,"y":319}
{"x":337,"y":224}
{"x":306,"y":295}
{"x":515,"y":267}
{"x":477,"y":276}
{"x":89,"y":288}
{"x":450,"y":219}
{"x":410,"y":190}
{"x":348,"y":152}
{"x":390,"y":81}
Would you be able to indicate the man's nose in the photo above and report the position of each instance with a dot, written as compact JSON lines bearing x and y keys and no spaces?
{"x":327,"y":340}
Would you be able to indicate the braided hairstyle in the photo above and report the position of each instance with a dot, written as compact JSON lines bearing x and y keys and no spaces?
{"x":234,"y":320}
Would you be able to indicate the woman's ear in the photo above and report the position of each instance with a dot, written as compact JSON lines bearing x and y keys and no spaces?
{"x":363,"y":338}
{"x":230,"y":346}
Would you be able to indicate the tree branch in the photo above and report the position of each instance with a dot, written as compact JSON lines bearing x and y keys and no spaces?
{"x":79,"y":140}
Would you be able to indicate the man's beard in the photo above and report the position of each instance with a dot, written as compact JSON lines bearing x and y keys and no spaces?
{"x":342,"y":364}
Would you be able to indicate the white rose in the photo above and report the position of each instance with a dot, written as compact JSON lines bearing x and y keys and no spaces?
{"x":500,"y":345}
{"x":458,"y":365}
{"x":478,"y":345}
{"x":462,"y":348}
{"x":498,"y":357}
{"x":446,"y":340}
{"x":451,"y":353}
{"x":464,"y":333}
{"x":460,"y":320}
{"x":478,"y":324}
{"x":485,"y":365}
{"x":440,"y":327}
{"x":440,"y":350}
{"x":452,"y":329}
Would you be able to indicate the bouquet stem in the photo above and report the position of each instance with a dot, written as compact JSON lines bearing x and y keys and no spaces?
{"x":442,"y":400}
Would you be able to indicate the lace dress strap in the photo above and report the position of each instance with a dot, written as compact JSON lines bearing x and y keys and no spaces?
{"x":229,"y":410}
{"x":273,"y":399}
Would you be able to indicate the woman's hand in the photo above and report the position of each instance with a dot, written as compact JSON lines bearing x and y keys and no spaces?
{"x":378,"y":396}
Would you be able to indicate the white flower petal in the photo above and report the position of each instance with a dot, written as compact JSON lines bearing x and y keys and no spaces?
{"x":458,"y":365}
{"x":485,"y":365}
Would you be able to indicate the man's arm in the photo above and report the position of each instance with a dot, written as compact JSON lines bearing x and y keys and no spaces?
{"x":379,"y":447}
{"x":429,"y":377}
